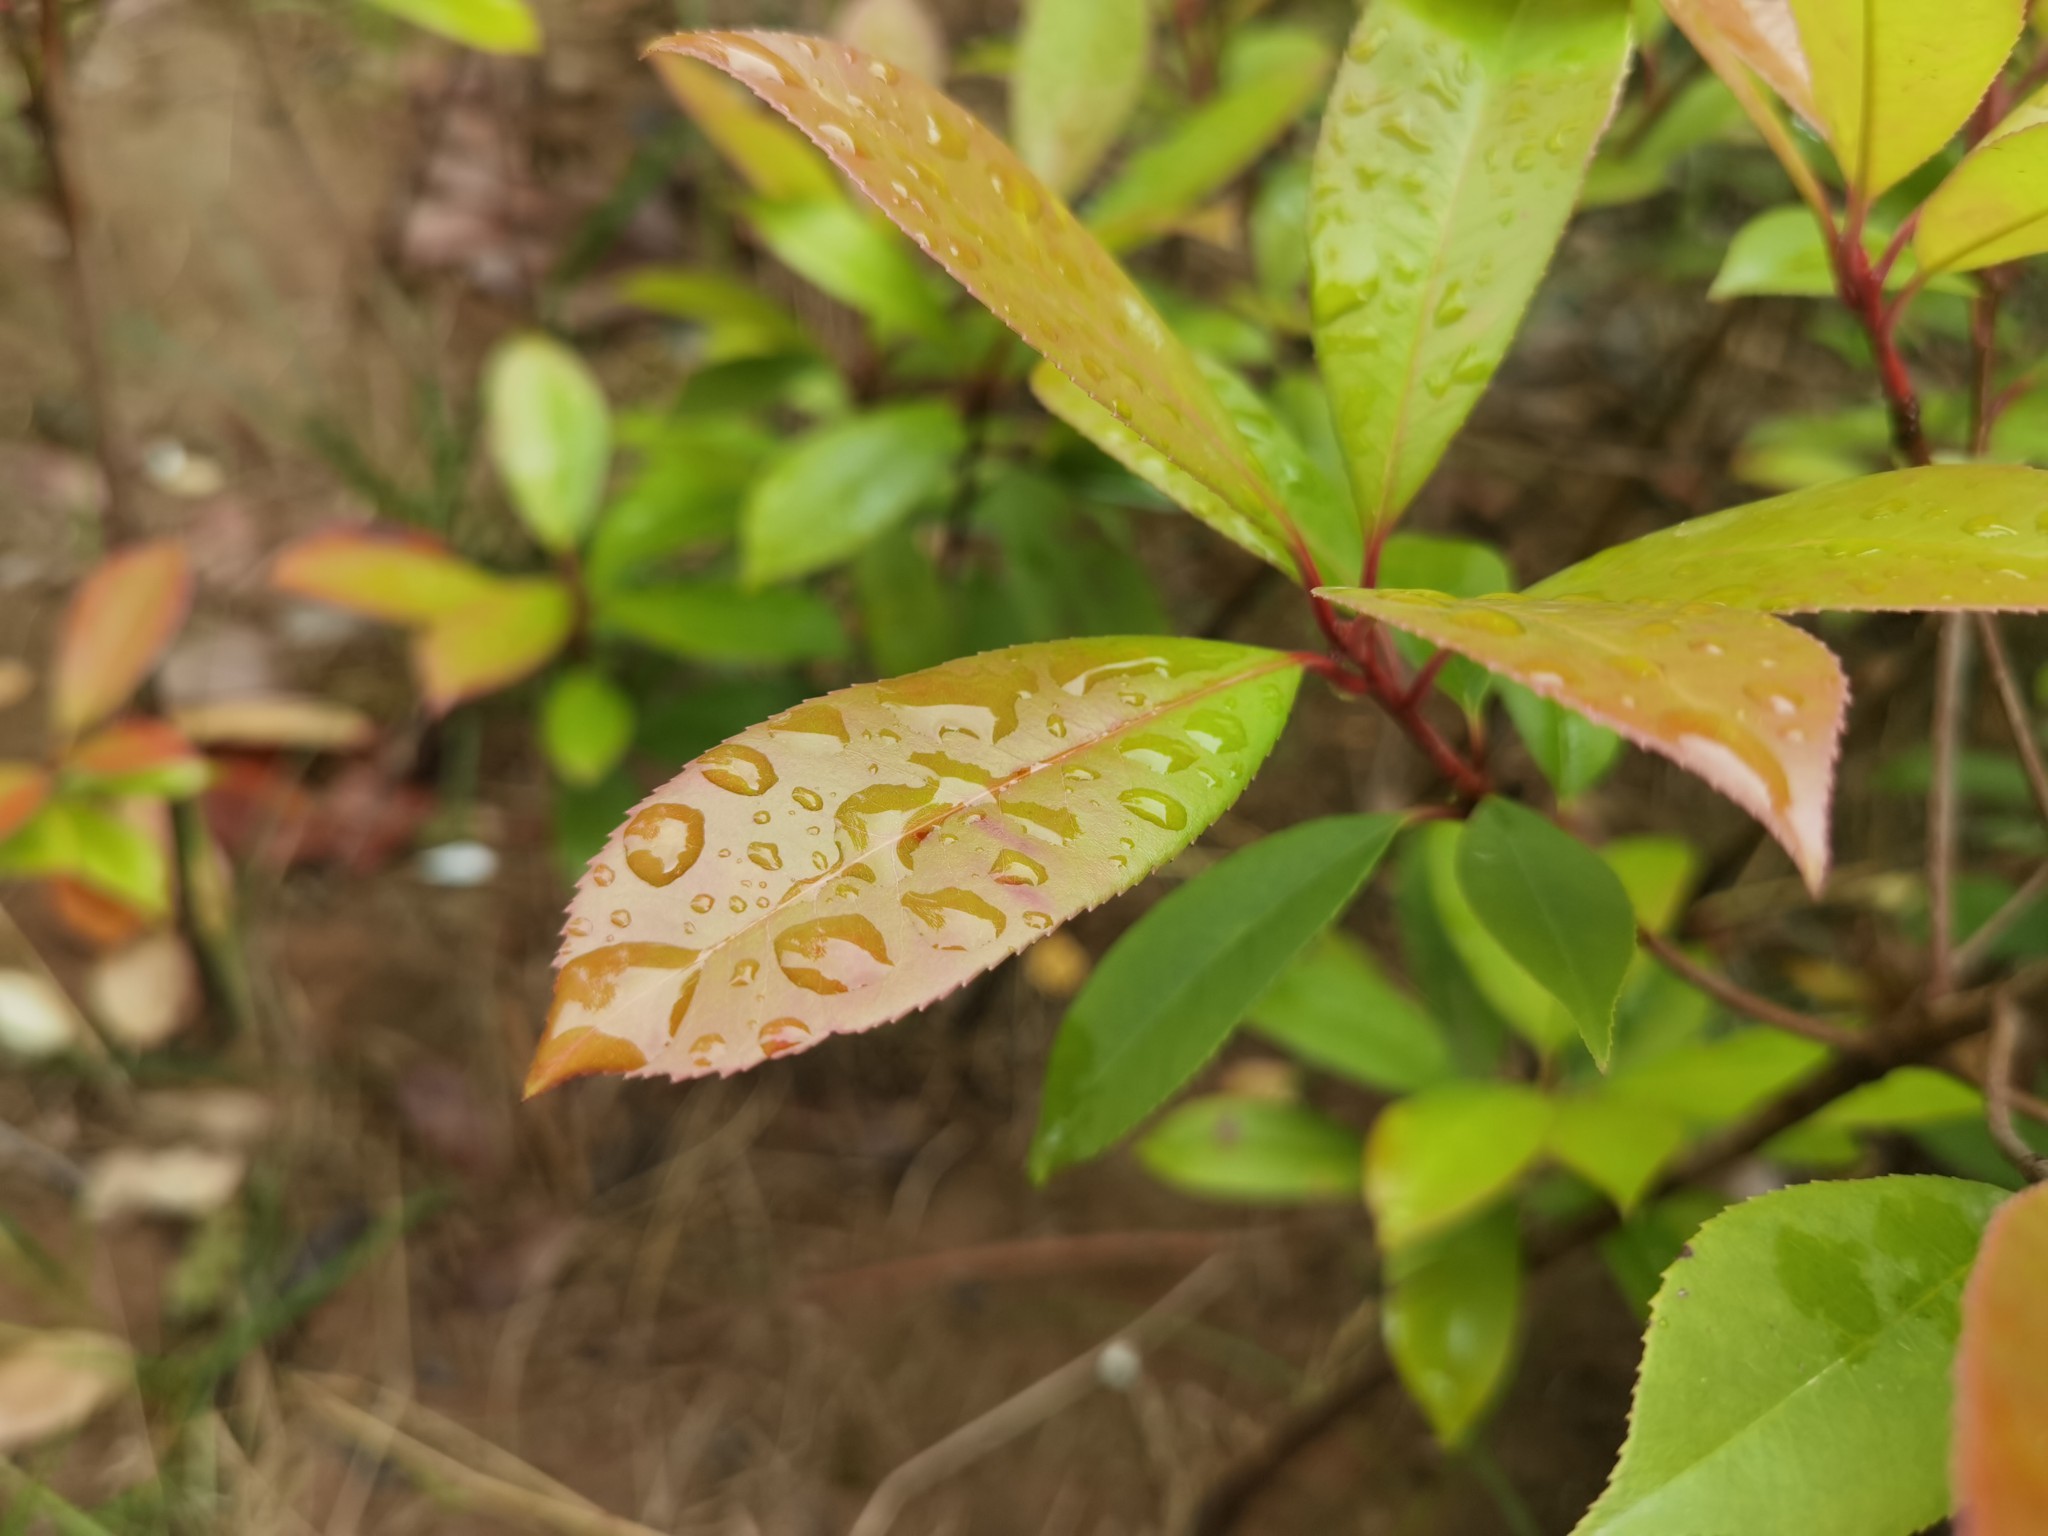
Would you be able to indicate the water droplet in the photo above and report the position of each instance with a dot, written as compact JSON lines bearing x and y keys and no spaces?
{"x":1016,"y":868}
{"x":1488,"y":621}
{"x":1988,"y":528}
{"x":662,"y":842}
{"x":590,"y":982}
{"x":1452,"y":308}
{"x":809,"y":799}
{"x":766,"y":855}
{"x":1052,"y":824}
{"x":757,"y":63}
{"x":1150,"y":805}
{"x":820,"y":721}
{"x":949,"y":767}
{"x":621,"y":918}
{"x":884,"y":71}
{"x":602,"y":875}
{"x":945,"y":135}
{"x":762,"y":818}
{"x":1161,"y":754}
{"x":738,"y":769}
{"x":965,"y":920}
{"x":780,"y":1036}
{"x":881,"y":811}
{"x":1080,"y":775}
{"x":1039,"y":920}
{"x":837,"y":139}
{"x":1018,"y":195}
{"x":578,"y":928}
{"x":704,"y":1047}
{"x":830,"y":955}
{"x":1213,"y":730}
{"x":703,"y":901}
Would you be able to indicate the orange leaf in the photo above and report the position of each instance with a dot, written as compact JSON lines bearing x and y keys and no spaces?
{"x":962,"y":195}
{"x":140,"y":755}
{"x":2001,"y":1411}
{"x":23,"y":788}
{"x":1763,"y":35}
{"x":513,"y":630}
{"x":1747,"y":702}
{"x":92,"y":916}
{"x":115,"y":631}
{"x":398,"y":576}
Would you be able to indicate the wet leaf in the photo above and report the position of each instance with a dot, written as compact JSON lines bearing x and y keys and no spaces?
{"x":274,"y":720}
{"x":1253,"y":1151}
{"x":1994,"y":206}
{"x":102,"y":850}
{"x":714,"y":622}
{"x":550,"y":436}
{"x":23,"y":789}
{"x":1893,"y":80}
{"x":586,"y":724}
{"x":383,"y":573}
{"x":490,"y":26}
{"x":775,"y":162}
{"x":1615,"y":1143}
{"x":848,"y":253}
{"x":1335,"y":1009}
{"x":1954,"y":536}
{"x":1450,"y":1316}
{"x":138,"y":756}
{"x":1438,"y":1156}
{"x":1763,"y":35}
{"x":1079,"y":70}
{"x":510,"y":632}
{"x":962,"y":195}
{"x":1317,"y":504}
{"x":862,"y":854}
{"x":1771,"y":1349}
{"x":119,"y":622}
{"x":1461,"y":567}
{"x":904,"y":32}
{"x":52,"y":1382}
{"x":1167,"y":996}
{"x":1748,"y":703}
{"x":2000,"y":1464}
{"x":1555,"y":907}
{"x":845,"y":483}
{"x":1455,"y":142}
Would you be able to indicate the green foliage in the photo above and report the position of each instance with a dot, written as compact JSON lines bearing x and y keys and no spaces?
{"x":1336,"y":1010}
{"x":1245,"y":1149}
{"x":550,"y":437}
{"x":1080,"y":67}
{"x":1450,"y":1316}
{"x":490,"y":26}
{"x":586,"y":724}
{"x":1438,"y":1156}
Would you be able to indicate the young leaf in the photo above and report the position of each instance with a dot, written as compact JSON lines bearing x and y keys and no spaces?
{"x":1252,"y":1150}
{"x":1796,"y":1374}
{"x":397,"y":576}
{"x":1762,"y":35}
{"x":1319,"y":506}
{"x":1615,"y":1143}
{"x":489,"y":26}
{"x":864,"y":853}
{"x":1449,"y":1319}
{"x":119,"y":622}
{"x":1750,"y":704}
{"x":845,"y":251}
{"x":1510,"y":992}
{"x":76,"y":838}
{"x":550,"y":436}
{"x":1953,"y":536}
{"x":2000,"y":1464}
{"x":714,"y":622}
{"x":1166,"y":997}
{"x":140,"y":756}
{"x":1457,"y":135}
{"x":1784,"y":251}
{"x":23,"y":789}
{"x":586,"y":724}
{"x":511,"y":631}
{"x":1994,"y":206}
{"x":1437,"y":1157}
{"x":774,"y":162}
{"x":1573,"y":753}
{"x":845,"y":483}
{"x":1553,"y":905}
{"x":1461,"y":567}
{"x":1894,"y":79}
{"x":1079,"y":69}
{"x":1715,"y":1082}
{"x":962,"y":195}
{"x":1335,"y":1010}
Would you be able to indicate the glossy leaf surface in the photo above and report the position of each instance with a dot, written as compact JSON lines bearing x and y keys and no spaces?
{"x":902,"y":31}
{"x":1436,"y":1157}
{"x":1079,"y":69}
{"x":1994,"y":206}
{"x":714,"y":621}
{"x":960,"y":193}
{"x":399,"y":577}
{"x":1714,"y":1082}
{"x":776,"y":163}
{"x":1461,"y":567}
{"x":1894,"y":80}
{"x":1750,"y":704}
{"x":1796,"y":1375}
{"x":23,"y":789}
{"x":1508,"y":991}
{"x":1450,"y":1317}
{"x":550,"y":436}
{"x":862,"y":854}
{"x":2000,"y":1462}
{"x":586,"y":724}
{"x":1246,"y":1149}
{"x":1335,"y":1009}
{"x":490,"y":26}
{"x":1555,"y":907}
{"x":116,"y":628}
{"x":510,"y":632}
{"x":1456,"y":138}
{"x":1167,"y":996}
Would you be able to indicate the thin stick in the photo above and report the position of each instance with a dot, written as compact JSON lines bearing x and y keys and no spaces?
{"x":1732,"y":995}
{"x":2017,"y":716}
{"x":1999,"y":1061}
{"x":1951,"y":670}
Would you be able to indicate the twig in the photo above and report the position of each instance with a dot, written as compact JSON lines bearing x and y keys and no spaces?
{"x":1036,"y":1403}
{"x":1021,"y":1258}
{"x":1951,"y":670}
{"x":1999,"y":1061}
{"x":1972,"y":951}
{"x":2017,"y":717}
{"x":1732,"y":995}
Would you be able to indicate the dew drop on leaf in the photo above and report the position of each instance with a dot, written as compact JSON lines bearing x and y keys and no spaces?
{"x":578,"y":928}
{"x":703,"y":901}
{"x":602,"y":874}
{"x":809,"y":799}
{"x":1161,"y":754}
{"x":662,"y":843}
{"x":1150,"y":805}
{"x":621,"y":918}
{"x":964,"y":920}
{"x":781,"y":1035}
{"x":1214,"y":731}
{"x":756,"y":61}
{"x":830,"y":955}
{"x":742,"y":770}
{"x":766,"y":855}
{"x":1013,"y":867}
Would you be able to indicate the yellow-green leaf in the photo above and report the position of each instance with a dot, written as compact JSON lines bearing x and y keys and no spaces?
{"x":776,"y":163}
{"x":395,"y":575}
{"x":1994,"y":206}
{"x":1449,"y":1318}
{"x":1440,"y":1155}
{"x":1079,"y":70}
{"x":115,"y":630}
{"x":1762,"y":35}
{"x":1253,"y":1151}
{"x":489,"y":26}
{"x":489,"y":644}
{"x":550,"y":436}
{"x":1616,"y":1143}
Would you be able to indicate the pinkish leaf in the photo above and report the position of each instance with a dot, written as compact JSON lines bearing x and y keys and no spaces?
{"x":959,"y":192}
{"x":2000,"y":1469}
{"x":398,"y":576}
{"x":485,"y":645}
{"x":860,"y":855}
{"x":1760,"y":33}
{"x":23,"y":788}
{"x":1747,"y":702}
{"x":115,"y":631}
{"x":774,"y":162}
{"x":138,"y":756}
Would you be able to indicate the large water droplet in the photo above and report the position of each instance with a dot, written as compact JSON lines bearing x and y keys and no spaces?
{"x":948,"y":767}
{"x":757,"y":63}
{"x":819,"y":721}
{"x":1214,"y":730}
{"x":962,"y":919}
{"x":1488,"y":621}
{"x":1013,"y":867}
{"x":739,"y":769}
{"x":1159,"y":809}
{"x":944,"y":134}
{"x":838,"y":140}
{"x":1161,"y":754}
{"x":704,"y":1048}
{"x":1049,"y":823}
{"x":703,"y":901}
{"x":590,"y":983}
{"x":830,"y":955}
{"x":663,"y":841}
{"x":766,"y":855}
{"x":881,"y":811}
{"x":780,"y":1036}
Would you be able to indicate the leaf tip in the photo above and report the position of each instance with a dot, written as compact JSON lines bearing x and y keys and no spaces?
{"x":583,"y":1051}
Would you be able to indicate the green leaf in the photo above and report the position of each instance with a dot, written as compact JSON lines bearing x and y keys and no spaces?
{"x":1573,"y":753}
{"x":1277,"y":227}
{"x":1516,"y":996}
{"x":714,"y":622}
{"x":843,"y":484}
{"x":1796,"y":1375}
{"x":586,"y":724}
{"x":1636,"y":163}
{"x":906,"y":605}
{"x":738,"y":319}
{"x":1893,"y":80}
{"x":1615,"y":1143}
{"x":1166,"y":997}
{"x":1993,"y":207}
{"x":90,"y":844}
{"x":1553,"y":905}
{"x":1079,"y":69}
{"x":550,"y":435}
{"x":1643,"y":1247}
{"x":507,"y":634}
{"x":1716,"y":1082}
{"x":490,"y":26}
{"x":1783,"y":252}
{"x":1450,"y":1316}
{"x":1457,"y":135}
{"x":1335,"y":1010}
{"x":1658,"y":873}
{"x":1318,"y":506}
{"x":395,"y":575}
{"x":1435,"y":1158}
{"x":846,"y":252}
{"x":1271,"y":76}
{"x":683,"y":494}
{"x":1253,"y":1151}
{"x":890,"y":841}
{"x":1065,"y":569}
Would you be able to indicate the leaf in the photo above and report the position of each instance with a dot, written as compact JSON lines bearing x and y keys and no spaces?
{"x":918,"y":831}
{"x":845,"y":483}
{"x":116,"y":628}
{"x":1555,"y":907}
{"x":586,"y":725}
{"x":2000,"y":1463}
{"x":1271,"y":75}
{"x":908,"y":613}
{"x":1335,"y":1010}
{"x":94,"y":846}
{"x":846,"y":252}
{"x":1252,"y":1150}
{"x":1950,"y":537}
{"x":1763,"y":35}
{"x":1658,"y":873}
{"x":1894,"y":79}
{"x":1993,"y":207}
{"x":1436,"y":1157}
{"x":1319,"y":506}
{"x":1168,"y":994}
{"x":714,"y":622}
{"x":1450,"y":1316}
{"x":1645,"y":1245}
{"x":1456,"y":139}
{"x":739,"y":320}
{"x":1750,"y":704}
{"x":274,"y":720}
{"x":490,"y":26}
{"x":23,"y":789}
{"x":1079,"y":70}
{"x":383,"y":573}
{"x":493,"y":642}
{"x":683,"y":493}
{"x":776,"y":163}
{"x":1010,"y":243}
{"x":902,"y":31}
{"x":1784,"y":252}
{"x":1065,"y":569}
{"x":1511,"y":994}
{"x":550,"y":437}
{"x":1716,"y":1082}
{"x":51,"y":1382}
{"x":137,"y":756}
{"x":1645,"y":153}
{"x":1461,"y":567}
{"x":1796,"y":1372}
{"x":1616,"y":1144}
{"x":1573,"y":753}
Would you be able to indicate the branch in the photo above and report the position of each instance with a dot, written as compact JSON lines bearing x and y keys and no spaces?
{"x":1999,"y":1061}
{"x":1732,"y":995}
{"x":1950,"y":684}
{"x":2017,"y":716}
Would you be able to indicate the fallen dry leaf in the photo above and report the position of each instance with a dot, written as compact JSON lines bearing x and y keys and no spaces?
{"x":181,"y":1182}
{"x":36,"y":1018}
{"x":146,"y":993}
{"x":53,"y":1382}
